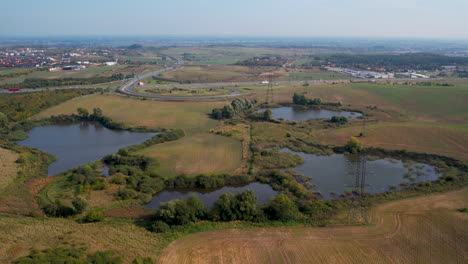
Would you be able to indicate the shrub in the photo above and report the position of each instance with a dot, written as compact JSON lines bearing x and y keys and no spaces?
{"x":104,"y":257}
{"x":125,"y":194}
{"x":140,"y":260}
{"x":80,"y":204}
{"x":118,"y":178}
{"x":353,"y":145}
{"x":160,"y":227}
{"x":94,"y":216}
{"x":58,"y":209}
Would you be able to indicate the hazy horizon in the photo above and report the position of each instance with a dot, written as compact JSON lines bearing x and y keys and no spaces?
{"x":397,"y":19}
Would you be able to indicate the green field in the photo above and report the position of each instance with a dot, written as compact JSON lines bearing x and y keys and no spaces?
{"x":317,"y":76}
{"x":85,"y":73}
{"x":185,"y":91}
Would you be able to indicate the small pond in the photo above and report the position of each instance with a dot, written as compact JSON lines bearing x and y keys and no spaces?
{"x":79,"y":143}
{"x":334,"y":174}
{"x":302,"y":114}
{"x":264,"y":194}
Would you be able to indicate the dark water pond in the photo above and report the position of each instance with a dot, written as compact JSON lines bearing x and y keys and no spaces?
{"x":264,"y":194}
{"x":80,"y":143}
{"x":301,"y":114}
{"x":335,"y":173}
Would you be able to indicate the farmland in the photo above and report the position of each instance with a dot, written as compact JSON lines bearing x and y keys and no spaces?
{"x":424,"y":229}
{"x":420,"y":118}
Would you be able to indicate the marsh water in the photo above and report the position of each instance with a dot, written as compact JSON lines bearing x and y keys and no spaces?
{"x":264,"y":194}
{"x":334,"y":174}
{"x":79,"y":143}
{"x":302,"y":114}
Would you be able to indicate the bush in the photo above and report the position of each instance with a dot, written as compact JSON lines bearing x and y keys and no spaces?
{"x":58,"y":209}
{"x":354,"y":145}
{"x":118,"y":178}
{"x":104,"y":257}
{"x":80,"y":204}
{"x":125,"y":194}
{"x":160,"y":227}
{"x":94,"y":216}
{"x":338,"y":119}
{"x":53,"y":255}
{"x":140,"y":260}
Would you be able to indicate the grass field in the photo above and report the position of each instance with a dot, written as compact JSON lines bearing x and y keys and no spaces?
{"x":20,"y":234}
{"x":8,"y":167}
{"x":418,"y":230}
{"x":218,"y":73}
{"x":85,"y":73}
{"x":184,"y":91}
{"x":429,"y":119}
{"x":199,"y":152}
{"x":317,"y":76}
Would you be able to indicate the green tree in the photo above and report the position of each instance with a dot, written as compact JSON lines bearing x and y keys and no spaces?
{"x":196,"y":207}
{"x":281,"y":208}
{"x":267,"y":115}
{"x":246,"y":205}
{"x":97,"y":113}
{"x":83,"y":112}
{"x":354,"y":145}
{"x":224,"y":208}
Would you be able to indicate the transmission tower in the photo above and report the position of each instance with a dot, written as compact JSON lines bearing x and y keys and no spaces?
{"x":269,"y":93}
{"x":359,"y":208}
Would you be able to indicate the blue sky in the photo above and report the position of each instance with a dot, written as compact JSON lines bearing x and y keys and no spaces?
{"x":354,"y":18}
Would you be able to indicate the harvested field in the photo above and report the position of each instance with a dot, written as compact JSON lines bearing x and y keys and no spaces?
{"x":418,"y":230}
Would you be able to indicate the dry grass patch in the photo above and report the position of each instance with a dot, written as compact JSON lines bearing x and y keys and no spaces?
{"x":20,"y":234}
{"x":418,"y":230}
{"x":442,"y":140}
{"x":8,"y":167}
{"x":155,"y":114}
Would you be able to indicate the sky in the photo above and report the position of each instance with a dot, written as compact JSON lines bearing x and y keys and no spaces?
{"x":293,"y":18}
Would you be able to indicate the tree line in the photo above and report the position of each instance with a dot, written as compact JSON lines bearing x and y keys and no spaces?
{"x":420,"y":61}
{"x":228,"y":207}
{"x":301,"y":99}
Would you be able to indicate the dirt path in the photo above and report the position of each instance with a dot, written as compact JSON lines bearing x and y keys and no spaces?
{"x":418,"y":230}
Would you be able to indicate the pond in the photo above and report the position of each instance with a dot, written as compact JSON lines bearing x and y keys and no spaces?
{"x":79,"y":143}
{"x":264,"y":194}
{"x":334,"y":174}
{"x":302,"y":114}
